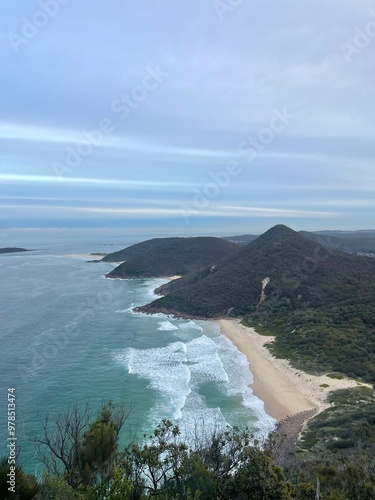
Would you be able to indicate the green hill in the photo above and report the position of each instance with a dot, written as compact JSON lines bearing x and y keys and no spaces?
{"x":354,"y":242}
{"x":242,"y":239}
{"x":135,"y":250}
{"x":362,"y":242}
{"x":300,"y":273}
{"x":171,"y":256}
{"x":319,"y":302}
{"x":351,"y":243}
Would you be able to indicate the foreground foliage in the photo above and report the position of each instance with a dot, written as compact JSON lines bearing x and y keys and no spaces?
{"x":226,"y":465}
{"x":79,"y":449}
{"x":335,"y":455}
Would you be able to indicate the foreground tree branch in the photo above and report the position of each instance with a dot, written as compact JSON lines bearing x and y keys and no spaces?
{"x":79,"y":448}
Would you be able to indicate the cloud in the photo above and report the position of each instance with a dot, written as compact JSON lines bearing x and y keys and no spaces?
{"x":128,"y":183}
{"x":225,"y":78}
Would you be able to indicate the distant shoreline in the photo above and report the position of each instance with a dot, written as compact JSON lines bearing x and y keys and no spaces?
{"x":284,"y":390}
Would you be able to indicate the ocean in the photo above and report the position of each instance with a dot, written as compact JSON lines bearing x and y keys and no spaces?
{"x":69,"y":335}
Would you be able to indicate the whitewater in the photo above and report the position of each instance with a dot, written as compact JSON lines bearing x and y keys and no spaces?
{"x":69,"y":335}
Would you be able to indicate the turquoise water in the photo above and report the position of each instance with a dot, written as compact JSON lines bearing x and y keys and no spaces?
{"x":69,"y":335}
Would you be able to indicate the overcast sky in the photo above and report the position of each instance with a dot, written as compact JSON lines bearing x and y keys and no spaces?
{"x":187,"y":116}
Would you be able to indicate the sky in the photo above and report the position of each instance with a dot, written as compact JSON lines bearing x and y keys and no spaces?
{"x":187,"y":117}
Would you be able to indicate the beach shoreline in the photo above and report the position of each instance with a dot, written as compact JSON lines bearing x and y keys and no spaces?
{"x":285,"y":390}
{"x":83,"y":256}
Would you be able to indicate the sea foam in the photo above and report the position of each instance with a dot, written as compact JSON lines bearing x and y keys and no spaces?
{"x":180,"y":372}
{"x":166,"y":326}
{"x":236,"y":365}
{"x":191,"y":325}
{"x":166,"y":370}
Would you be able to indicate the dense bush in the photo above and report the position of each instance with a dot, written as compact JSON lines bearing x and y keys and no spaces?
{"x":337,"y":449}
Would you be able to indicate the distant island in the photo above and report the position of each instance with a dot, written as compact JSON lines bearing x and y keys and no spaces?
{"x":13,"y":250}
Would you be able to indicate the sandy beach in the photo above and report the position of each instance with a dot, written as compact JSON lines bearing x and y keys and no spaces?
{"x":284,"y":390}
{"x":84,"y":256}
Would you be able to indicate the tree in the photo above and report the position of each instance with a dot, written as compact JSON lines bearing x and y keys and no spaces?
{"x":82,"y":450}
{"x":99,"y":446}
{"x":229,"y":465}
{"x":152,"y":465}
{"x":257,"y":478}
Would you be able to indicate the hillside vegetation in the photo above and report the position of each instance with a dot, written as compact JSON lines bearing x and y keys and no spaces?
{"x":171,"y":256}
{"x":345,"y":430}
{"x":318,"y":302}
{"x":338,"y":446}
{"x":135,"y":250}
